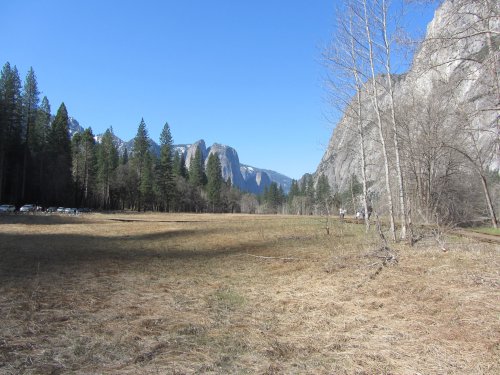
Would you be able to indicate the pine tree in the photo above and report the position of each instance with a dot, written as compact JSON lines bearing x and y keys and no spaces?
{"x":180,"y":165}
{"x":84,"y":164}
{"x":141,"y":153}
{"x":196,"y":171}
{"x":124,"y":158}
{"x":323,"y":190}
{"x":59,"y":152}
{"x":273,"y":196}
{"x":42,"y":126}
{"x":294,"y":191}
{"x":76,"y":161}
{"x":10,"y":132}
{"x":146,"y":183}
{"x":30,"y":102}
{"x":107,"y":162}
{"x":323,"y":194}
{"x":165,"y":173}
{"x":214,"y":181}
{"x":310,"y":191}
{"x":41,"y":134}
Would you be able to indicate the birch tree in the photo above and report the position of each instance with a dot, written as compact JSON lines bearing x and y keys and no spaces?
{"x":386,"y":59}
{"x":347,"y":59}
{"x":374,"y":94}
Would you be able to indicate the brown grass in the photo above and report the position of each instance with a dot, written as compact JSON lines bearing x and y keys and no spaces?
{"x":210,"y":294}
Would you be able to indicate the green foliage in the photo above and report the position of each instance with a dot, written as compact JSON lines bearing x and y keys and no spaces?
{"x":11,"y":108}
{"x":273,"y":197}
{"x":59,"y":155}
{"x":30,"y":102}
{"x":197,"y":176}
{"x":107,"y":162}
{"x":141,"y":147}
{"x":84,"y":166}
{"x":323,"y":190}
{"x":349,"y":197}
{"x":10,"y":132}
{"x":146,"y":183}
{"x":42,"y":126}
{"x":139,"y":159}
{"x":124,"y":157}
{"x":180,"y":166}
{"x":165,"y":169}
{"x":215,"y":182}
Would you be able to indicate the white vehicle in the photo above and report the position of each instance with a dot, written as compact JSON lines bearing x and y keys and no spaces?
{"x":27,"y":208}
{"x":7,"y":208}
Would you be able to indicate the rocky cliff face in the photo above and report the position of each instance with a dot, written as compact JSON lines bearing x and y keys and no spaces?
{"x":449,"y":82}
{"x":246,"y":178}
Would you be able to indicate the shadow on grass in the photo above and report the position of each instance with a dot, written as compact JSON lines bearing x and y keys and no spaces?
{"x":28,"y":254}
{"x":45,"y":219}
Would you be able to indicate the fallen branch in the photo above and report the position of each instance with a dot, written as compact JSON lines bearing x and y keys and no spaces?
{"x":278,"y":258}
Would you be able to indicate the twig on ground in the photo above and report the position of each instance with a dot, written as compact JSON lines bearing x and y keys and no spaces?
{"x":278,"y":258}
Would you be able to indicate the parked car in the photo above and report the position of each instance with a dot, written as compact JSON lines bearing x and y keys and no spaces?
{"x":60,"y":209}
{"x":83,"y":210}
{"x":51,"y":209}
{"x":7,"y":208}
{"x":70,"y":210}
{"x":27,"y":208}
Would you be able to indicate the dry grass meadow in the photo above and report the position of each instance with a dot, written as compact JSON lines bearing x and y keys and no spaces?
{"x":236,"y":294}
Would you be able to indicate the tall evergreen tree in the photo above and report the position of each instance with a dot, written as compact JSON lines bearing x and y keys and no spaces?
{"x":323,"y":190}
{"x":310,"y":191}
{"x":294,"y":191}
{"x":179,"y":163}
{"x":124,"y":158}
{"x":146,"y":183}
{"x":76,"y":165}
{"x":165,"y":173}
{"x":59,"y":150}
{"x":107,"y":161}
{"x":214,"y":181}
{"x":10,"y":132}
{"x":196,"y":170}
{"x":84,"y":163}
{"x":30,"y":102}
{"x":141,"y":153}
{"x":323,"y":195}
{"x":273,"y":196}
{"x":41,"y":134}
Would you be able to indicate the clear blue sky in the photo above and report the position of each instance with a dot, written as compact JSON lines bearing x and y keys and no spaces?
{"x":243,"y":73}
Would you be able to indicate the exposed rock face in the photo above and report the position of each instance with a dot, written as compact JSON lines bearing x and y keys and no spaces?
{"x":192,"y":150}
{"x":229,"y":161}
{"x":73,"y":125}
{"x":246,"y":178}
{"x":256,"y":180}
{"x":448,"y":77}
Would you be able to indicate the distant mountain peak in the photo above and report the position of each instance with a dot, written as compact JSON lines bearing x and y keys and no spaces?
{"x":245,"y":177}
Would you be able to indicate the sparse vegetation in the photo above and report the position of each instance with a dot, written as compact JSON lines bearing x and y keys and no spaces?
{"x":488,"y":230}
{"x":198,"y":294}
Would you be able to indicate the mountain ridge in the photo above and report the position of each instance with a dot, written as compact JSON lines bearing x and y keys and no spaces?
{"x":247,"y":178}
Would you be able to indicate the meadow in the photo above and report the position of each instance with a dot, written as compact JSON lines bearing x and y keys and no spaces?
{"x":240,"y":294}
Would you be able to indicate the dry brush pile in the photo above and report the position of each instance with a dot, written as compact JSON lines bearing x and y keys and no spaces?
{"x":198,"y":294}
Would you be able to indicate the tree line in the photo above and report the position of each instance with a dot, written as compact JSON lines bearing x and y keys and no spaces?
{"x":41,"y":163}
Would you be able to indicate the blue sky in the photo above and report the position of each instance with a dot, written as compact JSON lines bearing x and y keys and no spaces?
{"x":243,"y":73}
